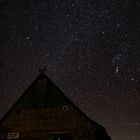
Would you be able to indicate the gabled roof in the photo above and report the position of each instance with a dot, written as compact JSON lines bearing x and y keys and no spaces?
{"x":35,"y":97}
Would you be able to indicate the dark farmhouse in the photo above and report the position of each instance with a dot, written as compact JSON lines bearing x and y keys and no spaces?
{"x":43,"y":112}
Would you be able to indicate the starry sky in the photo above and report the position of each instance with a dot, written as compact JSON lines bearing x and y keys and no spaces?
{"x":90,"y":51}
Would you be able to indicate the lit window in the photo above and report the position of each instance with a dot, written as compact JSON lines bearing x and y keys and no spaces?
{"x":65,"y":108}
{"x":14,"y":135}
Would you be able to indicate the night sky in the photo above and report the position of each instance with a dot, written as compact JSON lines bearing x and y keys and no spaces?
{"x":90,"y":49}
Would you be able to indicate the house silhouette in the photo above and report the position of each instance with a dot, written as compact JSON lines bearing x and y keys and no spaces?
{"x":43,"y":112}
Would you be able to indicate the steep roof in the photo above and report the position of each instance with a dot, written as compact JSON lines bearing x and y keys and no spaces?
{"x":43,"y":93}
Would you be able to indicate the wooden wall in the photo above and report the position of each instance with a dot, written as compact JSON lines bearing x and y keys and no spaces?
{"x":39,"y":123}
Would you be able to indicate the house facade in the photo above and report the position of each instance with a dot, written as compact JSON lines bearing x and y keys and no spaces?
{"x":43,"y":112}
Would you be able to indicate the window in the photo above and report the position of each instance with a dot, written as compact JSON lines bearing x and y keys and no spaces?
{"x":51,"y":138}
{"x":60,"y":137}
{"x":65,"y":108}
{"x":13,"y":135}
